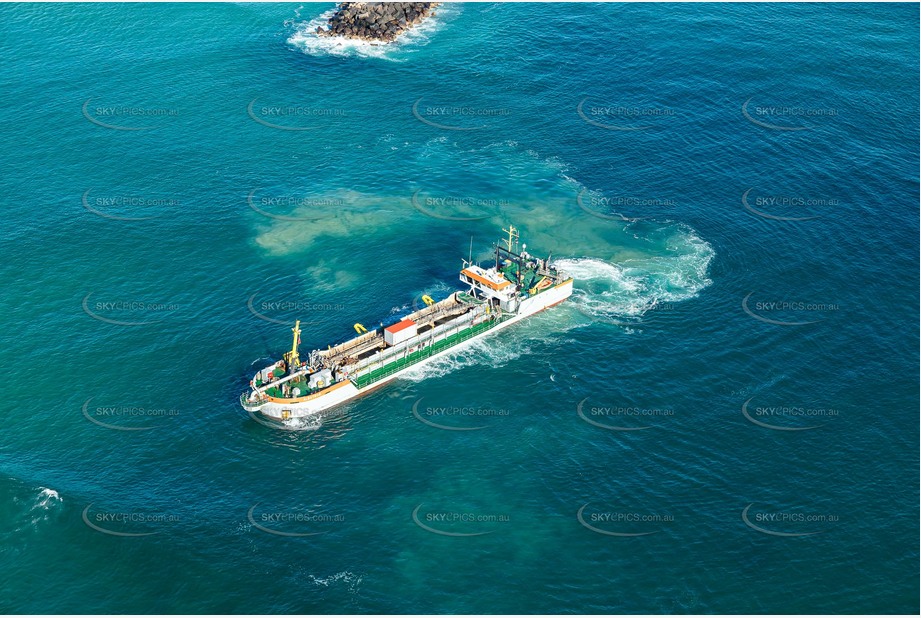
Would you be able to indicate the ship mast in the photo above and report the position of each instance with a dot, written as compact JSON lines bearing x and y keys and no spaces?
{"x":292,"y":357}
{"x":511,"y":241}
{"x":512,"y":232}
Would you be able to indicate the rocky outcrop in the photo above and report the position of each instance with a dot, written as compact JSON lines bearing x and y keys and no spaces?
{"x":376,"y":21}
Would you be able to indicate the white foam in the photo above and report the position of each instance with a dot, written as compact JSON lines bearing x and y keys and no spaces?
{"x":306,"y":39}
{"x":635,"y":268}
{"x":490,"y":352}
{"x":47,"y":498}
{"x":399,"y":309}
{"x":604,"y":291}
{"x":438,"y":291}
{"x":609,"y":291}
{"x":307,"y":423}
{"x":346,"y":577}
{"x":42,"y":508}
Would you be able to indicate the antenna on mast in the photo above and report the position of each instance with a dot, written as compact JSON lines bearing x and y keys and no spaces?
{"x":470,"y":258}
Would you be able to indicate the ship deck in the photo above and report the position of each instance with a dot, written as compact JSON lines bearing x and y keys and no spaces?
{"x":529,"y":276}
{"x":279,"y":391}
{"x":374,"y":375}
{"x":426,"y":319}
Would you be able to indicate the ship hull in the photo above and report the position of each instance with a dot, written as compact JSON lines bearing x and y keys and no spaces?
{"x":342,"y":392}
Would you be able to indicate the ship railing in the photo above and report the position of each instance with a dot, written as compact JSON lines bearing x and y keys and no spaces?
{"x":553,"y":273}
{"x":430,"y":336}
{"x":245,"y":399}
{"x":466,"y":298}
{"x":452,"y":313}
{"x":364,"y":377}
{"x":432,"y":316}
{"x":433,"y":312}
{"x":349,"y":345}
{"x":275,"y":383}
{"x":440,"y":333}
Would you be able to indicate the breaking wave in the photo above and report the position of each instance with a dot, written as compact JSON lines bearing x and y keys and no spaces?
{"x":305,"y":37}
{"x":47,"y":498}
{"x":345,"y":578}
{"x":40,"y":508}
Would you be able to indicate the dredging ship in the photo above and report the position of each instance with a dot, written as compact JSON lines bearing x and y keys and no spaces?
{"x":516,"y":286}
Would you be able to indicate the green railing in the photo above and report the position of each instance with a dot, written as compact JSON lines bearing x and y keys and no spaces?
{"x":410,"y":359}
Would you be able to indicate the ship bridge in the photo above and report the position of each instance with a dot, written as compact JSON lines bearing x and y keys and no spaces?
{"x":490,"y":285}
{"x":478,"y":276}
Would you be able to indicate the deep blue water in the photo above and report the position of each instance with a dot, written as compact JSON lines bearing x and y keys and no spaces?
{"x":734,"y":187}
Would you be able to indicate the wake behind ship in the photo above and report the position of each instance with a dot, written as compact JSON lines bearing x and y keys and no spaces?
{"x":516,"y":286}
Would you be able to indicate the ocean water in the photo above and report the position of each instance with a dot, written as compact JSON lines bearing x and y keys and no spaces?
{"x":722,"y":419}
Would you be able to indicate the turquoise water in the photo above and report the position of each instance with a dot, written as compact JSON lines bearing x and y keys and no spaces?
{"x":621,"y":138}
